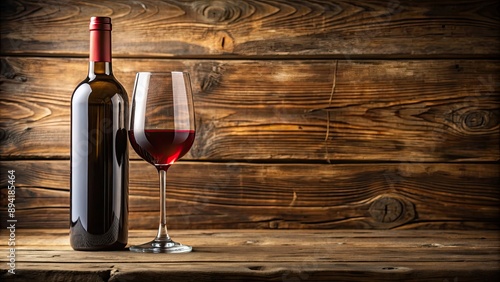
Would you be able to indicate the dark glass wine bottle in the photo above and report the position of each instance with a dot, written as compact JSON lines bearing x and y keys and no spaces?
{"x":99,"y":151}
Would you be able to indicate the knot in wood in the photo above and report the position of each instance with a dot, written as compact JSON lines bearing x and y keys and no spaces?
{"x":3,"y":135}
{"x":210,"y":82}
{"x":8,"y":71}
{"x":218,"y":11}
{"x":386,"y":209}
{"x":211,"y":79}
{"x":476,"y":119}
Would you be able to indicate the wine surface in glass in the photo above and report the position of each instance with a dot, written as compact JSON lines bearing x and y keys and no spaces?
{"x":161,"y":147}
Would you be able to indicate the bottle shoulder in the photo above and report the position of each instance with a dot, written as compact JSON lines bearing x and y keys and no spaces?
{"x":100,"y":88}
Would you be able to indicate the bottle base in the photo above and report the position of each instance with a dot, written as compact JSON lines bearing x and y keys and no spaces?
{"x":118,"y":246}
{"x":113,"y":240}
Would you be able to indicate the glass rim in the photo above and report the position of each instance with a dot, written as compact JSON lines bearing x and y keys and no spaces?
{"x":160,"y":72}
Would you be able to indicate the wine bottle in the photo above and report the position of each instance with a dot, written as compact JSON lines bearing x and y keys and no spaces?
{"x":99,"y":151}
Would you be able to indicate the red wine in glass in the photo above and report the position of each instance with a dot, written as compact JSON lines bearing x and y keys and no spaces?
{"x":161,"y":131}
{"x":162,"y":147}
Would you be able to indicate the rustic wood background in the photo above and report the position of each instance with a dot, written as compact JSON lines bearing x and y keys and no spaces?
{"x":310,"y":114}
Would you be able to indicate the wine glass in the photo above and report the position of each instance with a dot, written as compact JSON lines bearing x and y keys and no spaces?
{"x":161,"y":131}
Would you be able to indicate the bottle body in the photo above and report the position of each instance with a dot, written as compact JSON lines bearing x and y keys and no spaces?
{"x":99,"y":162}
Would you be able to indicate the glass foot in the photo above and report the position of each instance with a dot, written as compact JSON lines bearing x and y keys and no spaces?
{"x":161,"y":246}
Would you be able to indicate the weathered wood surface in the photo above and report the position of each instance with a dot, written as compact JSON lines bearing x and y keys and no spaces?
{"x":272,"y":196}
{"x":300,"y":110}
{"x":310,"y":114}
{"x":345,"y":29}
{"x":257,"y":255}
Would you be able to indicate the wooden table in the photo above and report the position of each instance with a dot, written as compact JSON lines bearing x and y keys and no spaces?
{"x":265,"y":255}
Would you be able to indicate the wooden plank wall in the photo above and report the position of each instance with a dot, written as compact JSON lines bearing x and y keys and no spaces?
{"x":310,"y":114}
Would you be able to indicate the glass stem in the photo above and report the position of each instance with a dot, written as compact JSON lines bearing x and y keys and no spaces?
{"x":162,"y":229}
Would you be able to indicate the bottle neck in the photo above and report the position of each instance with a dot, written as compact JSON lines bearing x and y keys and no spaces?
{"x":100,"y":53}
{"x":99,"y":68}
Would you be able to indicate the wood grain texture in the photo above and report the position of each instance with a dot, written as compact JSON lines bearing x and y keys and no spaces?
{"x":345,"y":29}
{"x":280,"y":110}
{"x":276,"y":196}
{"x":310,"y":114}
{"x":269,"y":255}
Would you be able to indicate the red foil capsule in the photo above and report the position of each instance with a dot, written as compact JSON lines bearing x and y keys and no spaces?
{"x":100,"y":39}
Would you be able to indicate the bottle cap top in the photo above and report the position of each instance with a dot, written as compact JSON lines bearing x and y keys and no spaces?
{"x":100,"y":23}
